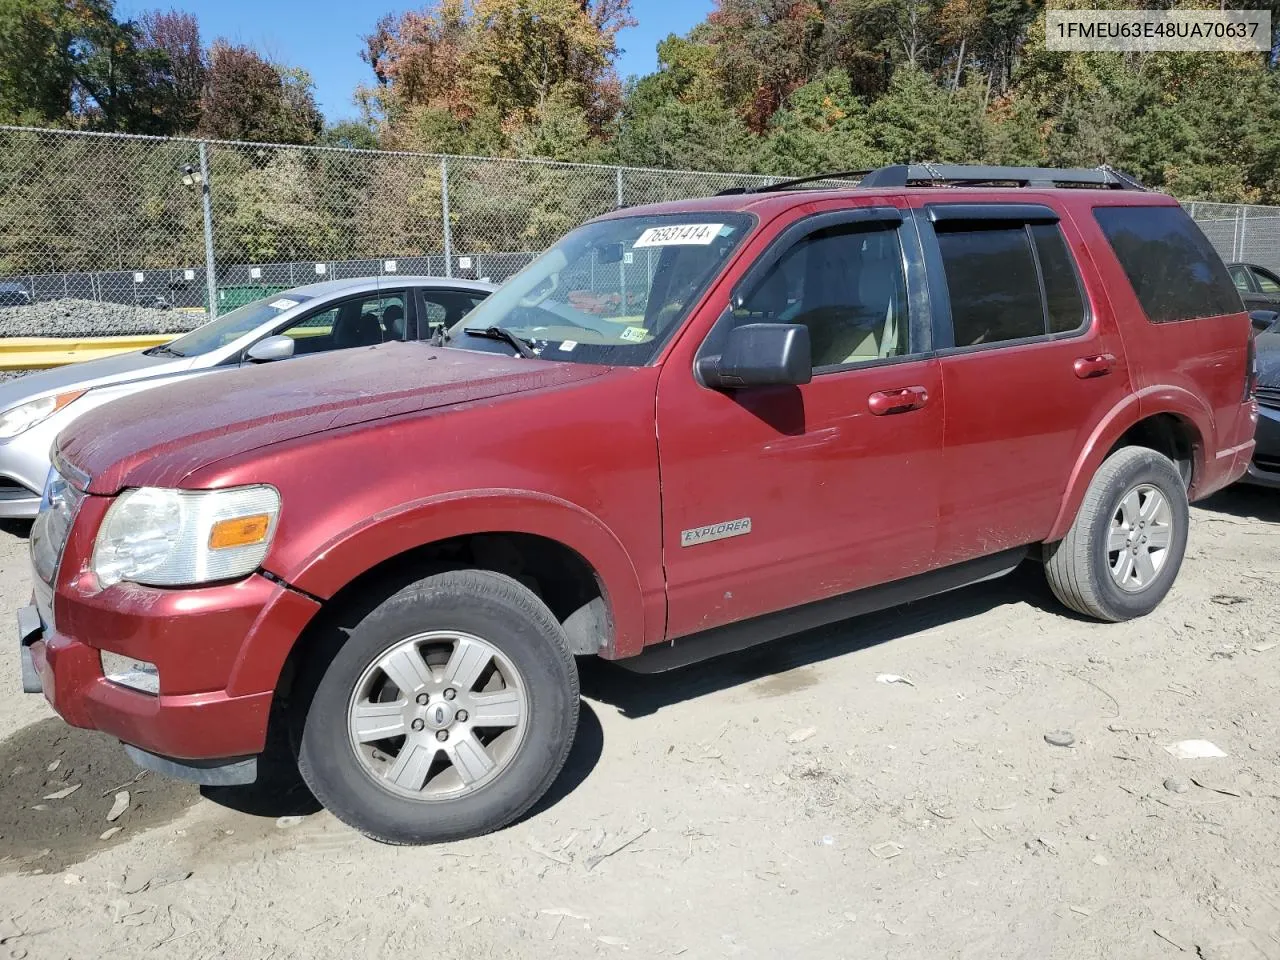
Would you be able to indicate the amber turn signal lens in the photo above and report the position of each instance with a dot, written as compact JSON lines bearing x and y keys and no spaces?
{"x":240,"y":532}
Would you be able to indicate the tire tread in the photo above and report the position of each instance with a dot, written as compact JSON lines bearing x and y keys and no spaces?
{"x":505,"y":591}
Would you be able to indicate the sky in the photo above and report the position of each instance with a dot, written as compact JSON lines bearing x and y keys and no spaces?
{"x":324,"y":36}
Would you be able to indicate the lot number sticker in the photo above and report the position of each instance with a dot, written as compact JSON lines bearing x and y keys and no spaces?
{"x":680,"y":235}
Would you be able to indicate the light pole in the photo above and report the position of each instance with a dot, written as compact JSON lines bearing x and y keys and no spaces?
{"x":191,"y":176}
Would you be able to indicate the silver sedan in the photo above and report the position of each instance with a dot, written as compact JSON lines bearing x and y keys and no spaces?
{"x":335,"y":315}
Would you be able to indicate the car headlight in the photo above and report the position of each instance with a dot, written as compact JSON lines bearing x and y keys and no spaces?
{"x":24,"y":416}
{"x":171,"y":538}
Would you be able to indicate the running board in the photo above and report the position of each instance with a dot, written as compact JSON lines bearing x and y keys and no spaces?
{"x":733,"y":637}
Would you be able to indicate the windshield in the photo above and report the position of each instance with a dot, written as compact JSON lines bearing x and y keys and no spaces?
{"x":610,"y":292}
{"x":232,"y":326}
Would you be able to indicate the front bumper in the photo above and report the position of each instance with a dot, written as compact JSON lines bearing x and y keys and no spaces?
{"x":218,"y":651}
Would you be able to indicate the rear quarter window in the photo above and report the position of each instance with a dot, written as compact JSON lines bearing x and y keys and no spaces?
{"x":1173,"y":269}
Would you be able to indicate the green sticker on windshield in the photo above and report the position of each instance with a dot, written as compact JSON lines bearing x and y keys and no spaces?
{"x":634,"y":335}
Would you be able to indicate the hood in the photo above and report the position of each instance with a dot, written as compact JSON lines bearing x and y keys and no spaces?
{"x":87,"y":374}
{"x":159,"y":436}
{"x":1268,"y":346}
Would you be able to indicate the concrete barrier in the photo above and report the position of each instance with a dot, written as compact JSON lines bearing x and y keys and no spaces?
{"x":40,"y":353}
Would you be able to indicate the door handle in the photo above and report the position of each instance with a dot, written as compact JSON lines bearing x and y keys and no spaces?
{"x":886,"y":402}
{"x":1089,"y":367}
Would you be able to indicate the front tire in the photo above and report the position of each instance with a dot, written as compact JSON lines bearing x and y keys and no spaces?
{"x":447,"y":712}
{"x":1123,"y":552}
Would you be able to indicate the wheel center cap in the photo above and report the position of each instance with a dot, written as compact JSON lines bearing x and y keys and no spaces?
{"x":438,"y":714}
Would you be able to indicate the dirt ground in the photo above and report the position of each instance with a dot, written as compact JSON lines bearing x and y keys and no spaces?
{"x":777,"y":803}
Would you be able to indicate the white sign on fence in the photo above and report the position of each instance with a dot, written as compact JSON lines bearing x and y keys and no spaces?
{"x":255,"y":273}
{"x":188,"y":274}
{"x":139,"y":277}
{"x":320,"y":269}
{"x":389,"y":266}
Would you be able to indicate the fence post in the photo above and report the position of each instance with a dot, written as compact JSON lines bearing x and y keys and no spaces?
{"x":210,"y":267}
{"x":621,"y":203}
{"x":1244,"y":220}
{"x":444,"y":207}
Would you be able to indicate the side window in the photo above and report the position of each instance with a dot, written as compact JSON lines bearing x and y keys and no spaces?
{"x":437,"y":308}
{"x":390,"y":312}
{"x":1173,"y":269}
{"x":846,"y":284}
{"x":1268,"y":283}
{"x":1062,"y":294}
{"x":991,"y":276}
{"x":1009,"y":281}
{"x":358,"y":322}
{"x":1240,"y":277}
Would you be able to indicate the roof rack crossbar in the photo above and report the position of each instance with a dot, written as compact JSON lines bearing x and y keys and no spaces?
{"x":1104,"y":177}
{"x":902,"y":175}
{"x":796,"y":182}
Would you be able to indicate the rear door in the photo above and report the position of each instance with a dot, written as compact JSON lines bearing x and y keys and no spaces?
{"x":1029,"y":366}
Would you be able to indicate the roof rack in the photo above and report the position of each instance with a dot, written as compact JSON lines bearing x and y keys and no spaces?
{"x":948,"y":174}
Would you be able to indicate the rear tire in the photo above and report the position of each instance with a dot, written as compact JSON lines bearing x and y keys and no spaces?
{"x":1123,"y":552}
{"x":447,"y":713}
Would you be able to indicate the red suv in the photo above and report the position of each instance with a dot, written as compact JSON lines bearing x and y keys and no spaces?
{"x":683,"y":429}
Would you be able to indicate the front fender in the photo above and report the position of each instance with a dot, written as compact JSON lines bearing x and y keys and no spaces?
{"x":1133,"y":408}
{"x":341,"y":559}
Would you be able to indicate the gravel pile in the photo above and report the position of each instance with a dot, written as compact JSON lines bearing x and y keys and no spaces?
{"x":91,"y":318}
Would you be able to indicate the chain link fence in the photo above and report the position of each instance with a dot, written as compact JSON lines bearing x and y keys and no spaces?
{"x":142,"y":232}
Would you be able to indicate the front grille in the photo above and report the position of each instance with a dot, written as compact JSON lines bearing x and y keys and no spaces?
{"x":1269,"y":397}
{"x":52,"y":525}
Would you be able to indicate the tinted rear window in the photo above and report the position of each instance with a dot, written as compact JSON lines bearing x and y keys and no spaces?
{"x":996,"y":292}
{"x":1174,"y":270}
{"x":991,"y":276}
{"x":1061,"y":286}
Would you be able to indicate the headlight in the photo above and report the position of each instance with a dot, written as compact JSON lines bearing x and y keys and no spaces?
{"x":171,"y":538}
{"x":24,"y":416}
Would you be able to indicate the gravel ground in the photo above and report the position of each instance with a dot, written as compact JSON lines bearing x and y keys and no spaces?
{"x":90,"y":318}
{"x":776,"y":803}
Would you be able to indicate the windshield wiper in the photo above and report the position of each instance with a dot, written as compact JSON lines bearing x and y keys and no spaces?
{"x":164,"y":350}
{"x":525,"y":347}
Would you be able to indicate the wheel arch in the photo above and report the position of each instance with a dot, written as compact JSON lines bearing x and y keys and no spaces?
{"x":1169,"y":420}
{"x":582,"y":572}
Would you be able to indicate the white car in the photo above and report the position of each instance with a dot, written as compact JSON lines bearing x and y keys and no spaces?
{"x":334,"y":315}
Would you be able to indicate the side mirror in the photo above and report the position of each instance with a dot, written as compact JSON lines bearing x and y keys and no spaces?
{"x":761,"y":355}
{"x":1263,"y":320}
{"x":267,"y":349}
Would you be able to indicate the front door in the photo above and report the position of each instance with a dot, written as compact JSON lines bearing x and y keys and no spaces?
{"x":773,"y":497}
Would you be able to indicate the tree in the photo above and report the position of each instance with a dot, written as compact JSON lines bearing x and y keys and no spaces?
{"x":458,"y":74}
{"x":246,"y":97}
{"x":823,"y":127}
{"x":679,"y":116}
{"x":184,"y":65}
{"x":36,"y":65}
{"x":72,"y":62}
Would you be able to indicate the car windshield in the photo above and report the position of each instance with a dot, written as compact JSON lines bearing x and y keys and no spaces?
{"x":610,"y":292}
{"x":232,"y":326}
